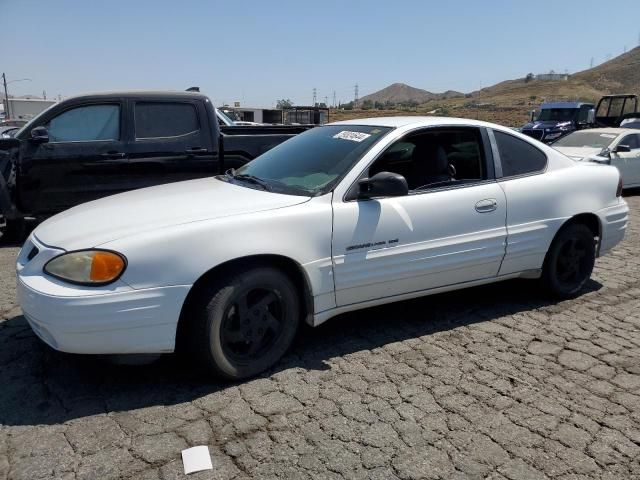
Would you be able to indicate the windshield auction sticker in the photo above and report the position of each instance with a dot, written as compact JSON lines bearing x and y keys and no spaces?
{"x":607,"y":135}
{"x":353,"y":136}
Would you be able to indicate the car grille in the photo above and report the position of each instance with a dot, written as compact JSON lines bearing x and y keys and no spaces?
{"x":537,"y":134}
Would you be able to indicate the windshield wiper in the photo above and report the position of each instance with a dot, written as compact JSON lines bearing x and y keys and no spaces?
{"x":231,"y":173}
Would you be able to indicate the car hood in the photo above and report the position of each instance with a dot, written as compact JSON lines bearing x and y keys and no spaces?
{"x":101,"y":221}
{"x":579,"y":152}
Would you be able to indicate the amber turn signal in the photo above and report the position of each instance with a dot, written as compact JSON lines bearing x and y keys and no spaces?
{"x":106,"y":266}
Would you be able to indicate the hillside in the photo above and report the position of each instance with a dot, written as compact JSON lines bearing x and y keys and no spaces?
{"x":403,"y":93}
{"x":510,"y":101}
{"x":619,"y":75}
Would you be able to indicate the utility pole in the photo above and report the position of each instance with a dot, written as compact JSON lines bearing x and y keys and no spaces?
{"x":6,"y":96}
{"x":591,"y":63}
{"x":355,"y":96}
{"x":44,"y":94}
{"x":326,"y":101}
{"x":334,"y":99}
{"x":315,"y":93}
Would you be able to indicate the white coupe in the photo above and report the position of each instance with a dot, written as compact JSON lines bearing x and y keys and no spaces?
{"x":341,"y":217}
{"x":619,"y":147}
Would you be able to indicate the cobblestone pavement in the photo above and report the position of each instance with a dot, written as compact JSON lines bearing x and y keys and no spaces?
{"x":494,"y":382}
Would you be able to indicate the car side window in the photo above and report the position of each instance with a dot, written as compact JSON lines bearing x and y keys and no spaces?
{"x":633,"y":141}
{"x":517,"y":156}
{"x":165,"y":119}
{"x":88,"y":123}
{"x":583,"y":116}
{"x":435,"y":158}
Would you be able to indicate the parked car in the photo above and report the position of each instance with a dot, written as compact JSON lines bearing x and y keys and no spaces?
{"x":344,"y":216}
{"x":8,"y":132}
{"x":557,"y":119}
{"x":91,"y":146}
{"x":619,"y":147}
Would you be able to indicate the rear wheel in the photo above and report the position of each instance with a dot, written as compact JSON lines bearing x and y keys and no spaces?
{"x":244,"y":324}
{"x":569,"y":261}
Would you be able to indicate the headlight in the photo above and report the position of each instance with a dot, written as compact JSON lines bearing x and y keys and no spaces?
{"x":87,"y":267}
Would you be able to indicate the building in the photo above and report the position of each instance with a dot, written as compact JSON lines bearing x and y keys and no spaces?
{"x":553,"y":76}
{"x":25,"y":108}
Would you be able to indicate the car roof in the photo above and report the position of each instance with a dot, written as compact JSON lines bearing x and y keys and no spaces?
{"x":159,"y":94}
{"x":549,"y":105}
{"x":396,"y":122}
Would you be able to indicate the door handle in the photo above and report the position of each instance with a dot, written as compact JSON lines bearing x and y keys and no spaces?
{"x":195,"y":150}
{"x":113,"y":155}
{"x":486,"y":205}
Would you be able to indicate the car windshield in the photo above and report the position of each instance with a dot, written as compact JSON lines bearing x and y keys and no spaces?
{"x":225,"y":117}
{"x":586,"y":139}
{"x":558,"y":114}
{"x":313,"y":162}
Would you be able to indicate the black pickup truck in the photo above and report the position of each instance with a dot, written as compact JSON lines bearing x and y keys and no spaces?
{"x":91,"y":146}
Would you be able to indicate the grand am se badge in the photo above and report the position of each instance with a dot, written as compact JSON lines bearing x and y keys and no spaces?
{"x":380,"y":244}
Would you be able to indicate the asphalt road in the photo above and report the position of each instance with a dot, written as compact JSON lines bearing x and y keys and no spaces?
{"x":493,"y":382}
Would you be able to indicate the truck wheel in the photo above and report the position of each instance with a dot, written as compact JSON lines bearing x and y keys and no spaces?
{"x":569,"y":261}
{"x":243,"y":324}
{"x":12,"y":230}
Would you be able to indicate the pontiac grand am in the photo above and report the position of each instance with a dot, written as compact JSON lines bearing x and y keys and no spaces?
{"x":341,"y":217}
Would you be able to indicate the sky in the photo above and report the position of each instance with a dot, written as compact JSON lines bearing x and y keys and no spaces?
{"x":256,"y":51}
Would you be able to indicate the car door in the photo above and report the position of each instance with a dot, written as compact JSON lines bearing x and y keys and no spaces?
{"x":172,"y":142}
{"x":447,"y":233}
{"x":84,"y":159}
{"x":628,"y":162}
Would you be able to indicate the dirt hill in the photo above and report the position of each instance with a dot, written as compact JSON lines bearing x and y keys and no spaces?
{"x":403,"y":93}
{"x":619,"y":75}
{"x":509,"y":102}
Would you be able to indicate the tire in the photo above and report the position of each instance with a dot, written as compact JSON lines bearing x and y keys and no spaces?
{"x":12,"y":230}
{"x":243,"y":324}
{"x":569,"y":261}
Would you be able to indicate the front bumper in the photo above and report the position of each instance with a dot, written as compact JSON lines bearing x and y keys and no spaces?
{"x":113,"y":319}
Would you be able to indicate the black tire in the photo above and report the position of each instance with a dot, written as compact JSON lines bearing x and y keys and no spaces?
{"x":569,"y":261}
{"x":12,"y":230}
{"x":243,"y":324}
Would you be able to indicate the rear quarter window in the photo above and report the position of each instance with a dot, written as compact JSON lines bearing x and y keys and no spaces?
{"x":517,"y":156}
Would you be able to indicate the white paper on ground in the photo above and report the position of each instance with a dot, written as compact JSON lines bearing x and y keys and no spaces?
{"x":196,"y":459}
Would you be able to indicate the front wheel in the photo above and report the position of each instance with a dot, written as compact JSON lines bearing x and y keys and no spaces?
{"x":569,"y":261}
{"x":242,"y":325}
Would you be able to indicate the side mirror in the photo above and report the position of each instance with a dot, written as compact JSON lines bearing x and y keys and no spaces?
{"x":591,"y":117}
{"x":622,"y":149}
{"x":383,"y":184}
{"x":39,"y":135}
{"x":532,"y":116}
